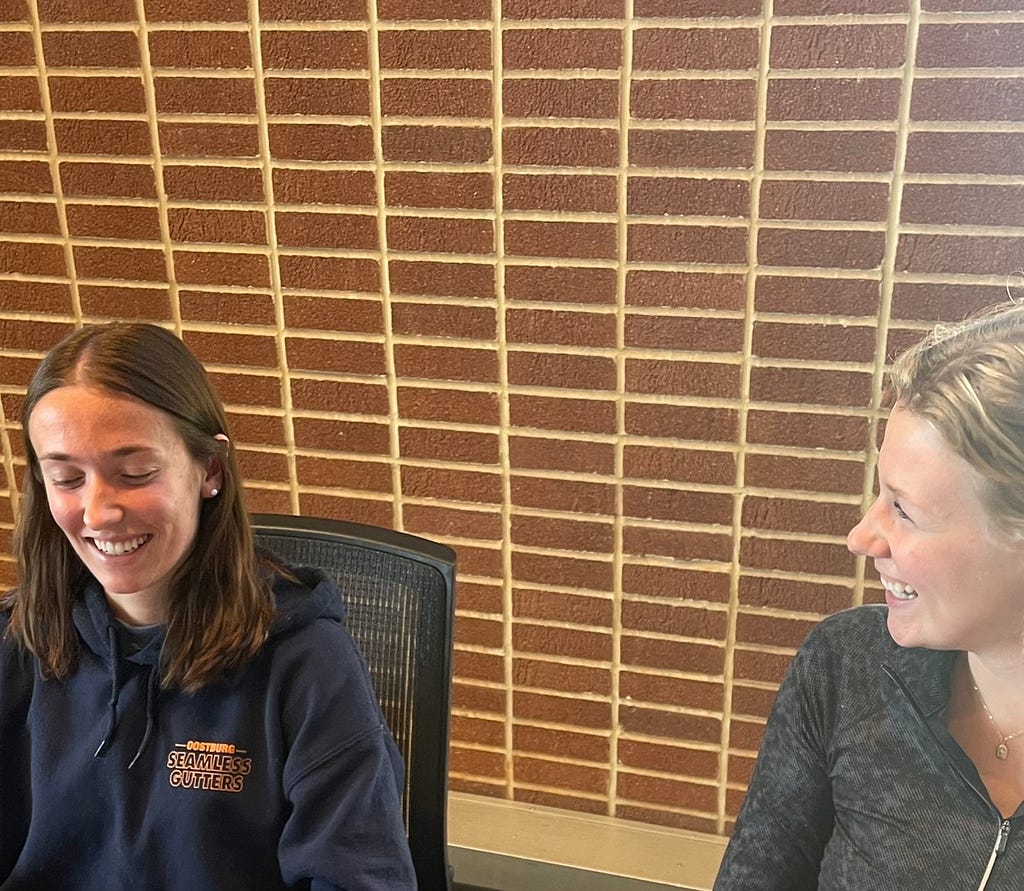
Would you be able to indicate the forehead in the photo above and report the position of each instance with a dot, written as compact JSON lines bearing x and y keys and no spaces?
{"x":916,"y":462}
{"x":80,"y":419}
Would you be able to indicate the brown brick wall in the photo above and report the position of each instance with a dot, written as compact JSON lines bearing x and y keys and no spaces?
{"x":597,"y":292}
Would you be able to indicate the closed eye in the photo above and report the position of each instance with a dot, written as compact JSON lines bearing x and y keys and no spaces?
{"x":68,"y":483}
{"x":138,"y":479}
{"x":900,"y":511}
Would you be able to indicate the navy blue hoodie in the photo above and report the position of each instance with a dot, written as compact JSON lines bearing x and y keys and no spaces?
{"x":281,"y":775}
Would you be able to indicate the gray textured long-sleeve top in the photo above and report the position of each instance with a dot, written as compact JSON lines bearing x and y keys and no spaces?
{"x":858,"y":784}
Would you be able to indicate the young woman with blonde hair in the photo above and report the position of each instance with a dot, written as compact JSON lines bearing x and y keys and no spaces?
{"x":894,"y":754}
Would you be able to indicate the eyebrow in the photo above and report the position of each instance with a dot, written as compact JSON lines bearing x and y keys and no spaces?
{"x":895,"y":490}
{"x":122,"y":452}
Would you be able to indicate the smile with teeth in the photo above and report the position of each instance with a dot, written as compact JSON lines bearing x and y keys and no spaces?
{"x":899,"y":590}
{"x":117,"y":548}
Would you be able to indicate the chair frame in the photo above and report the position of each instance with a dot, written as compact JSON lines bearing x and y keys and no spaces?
{"x":427,"y":772}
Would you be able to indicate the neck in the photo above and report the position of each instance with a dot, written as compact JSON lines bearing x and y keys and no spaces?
{"x":1000,"y":685}
{"x":138,"y":609}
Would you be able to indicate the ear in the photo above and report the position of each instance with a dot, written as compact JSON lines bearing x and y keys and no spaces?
{"x":213,"y":481}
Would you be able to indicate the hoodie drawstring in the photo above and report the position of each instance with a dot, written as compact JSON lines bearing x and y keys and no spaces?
{"x":151,"y":693}
{"x":115,"y":693}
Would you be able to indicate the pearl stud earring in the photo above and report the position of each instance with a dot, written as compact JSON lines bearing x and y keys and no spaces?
{"x":214,"y":493}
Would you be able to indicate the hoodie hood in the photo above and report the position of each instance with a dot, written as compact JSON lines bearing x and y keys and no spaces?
{"x":311,"y":595}
{"x":307,"y":595}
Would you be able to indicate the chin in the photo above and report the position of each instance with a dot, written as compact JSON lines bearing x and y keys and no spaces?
{"x":117,"y":583}
{"x":915,"y":639}
{"x":905,"y":635}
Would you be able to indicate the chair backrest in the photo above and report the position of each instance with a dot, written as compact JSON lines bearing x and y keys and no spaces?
{"x":399,"y":592}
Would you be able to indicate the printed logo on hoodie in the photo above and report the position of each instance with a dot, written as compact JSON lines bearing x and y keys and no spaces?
{"x":209,"y":766}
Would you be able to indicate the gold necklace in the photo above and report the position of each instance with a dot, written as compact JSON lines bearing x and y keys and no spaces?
{"x":1001,"y":751}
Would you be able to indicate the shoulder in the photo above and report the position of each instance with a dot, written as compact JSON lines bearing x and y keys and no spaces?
{"x":851,"y":631}
{"x":11,"y":647}
{"x":18,"y":667}
{"x":847,"y":659}
{"x":310,"y":652}
{"x":853,"y":645}
{"x":858,"y":639}
{"x":839,"y":661}
{"x":303,"y":594}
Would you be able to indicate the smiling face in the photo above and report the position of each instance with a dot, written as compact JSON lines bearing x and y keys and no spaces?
{"x":950,"y":582}
{"x":123,"y":488}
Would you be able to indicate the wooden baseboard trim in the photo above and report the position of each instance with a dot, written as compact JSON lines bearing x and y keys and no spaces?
{"x":508,"y":845}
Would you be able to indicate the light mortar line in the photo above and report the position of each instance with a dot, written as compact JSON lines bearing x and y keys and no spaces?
{"x":504,"y":410}
{"x":948,"y":278}
{"x":843,"y":273}
{"x":53,"y":158}
{"x":539,"y":724}
{"x":790,"y":614}
{"x":8,"y":458}
{"x":137,"y":71}
{"x":553,"y":123}
{"x":69,"y":27}
{"x":618,"y":547}
{"x":706,"y":173}
{"x":659,"y":220}
{"x":975,"y":179}
{"x":383,"y":262}
{"x":639,"y":23}
{"x":475,"y":747}
{"x":601,"y":631}
{"x":820,"y":226}
{"x":661,"y":774}
{"x":426,"y":25}
{"x":567,"y":74}
{"x":273,"y":257}
{"x":476,"y":779}
{"x":195,"y":247}
{"x":67,"y":72}
{"x":549,"y":659}
{"x":314,"y":26}
{"x":748,"y":23}
{"x":651,"y":125}
{"x":634,"y":352}
{"x":969,"y":126}
{"x":888,"y":278}
{"x":558,"y":791}
{"x":113,"y":116}
{"x":735,"y":572}
{"x":595,"y":558}
{"x":435,"y":74}
{"x":972,"y":230}
{"x":769,"y":650}
{"x":988,"y":72}
{"x":93,"y":201}
{"x":593,"y":218}
{"x":149,"y":89}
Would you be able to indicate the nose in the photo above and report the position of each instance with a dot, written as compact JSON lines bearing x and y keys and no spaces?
{"x":100,"y":505}
{"x":867,"y":538}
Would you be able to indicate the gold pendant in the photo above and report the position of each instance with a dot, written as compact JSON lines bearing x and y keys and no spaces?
{"x":1001,"y":751}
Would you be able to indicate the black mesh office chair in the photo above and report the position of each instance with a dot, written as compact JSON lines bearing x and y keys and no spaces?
{"x":399,"y":590}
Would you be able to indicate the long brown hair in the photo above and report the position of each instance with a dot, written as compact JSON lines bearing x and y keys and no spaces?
{"x":220,"y":606}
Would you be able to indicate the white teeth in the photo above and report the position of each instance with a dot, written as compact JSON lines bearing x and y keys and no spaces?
{"x":899,"y":590}
{"x":116,"y":548}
